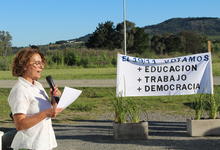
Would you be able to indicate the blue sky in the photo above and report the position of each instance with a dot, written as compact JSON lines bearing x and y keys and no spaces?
{"x":44,"y":21}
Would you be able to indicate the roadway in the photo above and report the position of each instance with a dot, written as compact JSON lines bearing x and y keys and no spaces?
{"x":81,"y":83}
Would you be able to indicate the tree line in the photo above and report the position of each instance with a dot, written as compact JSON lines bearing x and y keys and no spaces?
{"x":110,"y":37}
{"x":107,"y":36}
{"x":106,"y":41}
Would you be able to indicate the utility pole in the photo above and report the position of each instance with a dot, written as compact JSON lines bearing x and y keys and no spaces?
{"x":124,"y":17}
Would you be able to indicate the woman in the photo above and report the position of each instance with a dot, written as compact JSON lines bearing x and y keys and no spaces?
{"x":32,"y":111}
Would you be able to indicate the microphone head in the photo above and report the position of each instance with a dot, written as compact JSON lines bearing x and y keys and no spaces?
{"x":50,"y":81}
{"x":48,"y":77}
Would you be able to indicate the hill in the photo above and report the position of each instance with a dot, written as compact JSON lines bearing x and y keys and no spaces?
{"x":204,"y":25}
{"x":209,"y":26}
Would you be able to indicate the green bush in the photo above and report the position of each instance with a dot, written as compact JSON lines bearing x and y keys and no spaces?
{"x":114,"y":61}
{"x":70,"y":58}
{"x":4,"y":65}
{"x":84,"y":62}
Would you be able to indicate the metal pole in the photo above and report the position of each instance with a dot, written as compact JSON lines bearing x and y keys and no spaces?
{"x":124,"y":16}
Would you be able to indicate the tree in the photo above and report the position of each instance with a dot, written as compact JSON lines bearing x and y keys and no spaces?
{"x":193,"y":42}
{"x":184,"y":42}
{"x":108,"y":37}
{"x":102,"y":37}
{"x":130,"y":31}
{"x":173,"y":43}
{"x":158,"y":45}
{"x":5,"y":43}
{"x":141,"y":41}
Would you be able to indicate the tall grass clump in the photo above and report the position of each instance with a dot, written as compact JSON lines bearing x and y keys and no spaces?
{"x":209,"y":103}
{"x":120,"y":109}
{"x":134,"y":111}
{"x":213,"y":104}
{"x":198,"y":105}
{"x":126,"y":110}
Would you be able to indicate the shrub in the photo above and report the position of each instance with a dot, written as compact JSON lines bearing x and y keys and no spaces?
{"x":84,"y":62}
{"x":4,"y":65}
{"x":70,"y":58}
{"x":126,"y":110}
{"x":114,"y":61}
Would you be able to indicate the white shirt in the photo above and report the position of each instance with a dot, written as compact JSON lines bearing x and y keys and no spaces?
{"x":30,"y":99}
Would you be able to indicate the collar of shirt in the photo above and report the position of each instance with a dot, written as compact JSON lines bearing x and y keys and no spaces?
{"x":36,"y":86}
{"x":27,"y":83}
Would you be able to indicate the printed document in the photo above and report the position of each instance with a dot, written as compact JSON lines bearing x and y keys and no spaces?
{"x":68,"y":96}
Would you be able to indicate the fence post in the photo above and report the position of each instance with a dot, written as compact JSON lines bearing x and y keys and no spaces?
{"x":209,"y":46}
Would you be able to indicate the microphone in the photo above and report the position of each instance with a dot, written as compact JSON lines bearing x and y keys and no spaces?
{"x":52,"y":85}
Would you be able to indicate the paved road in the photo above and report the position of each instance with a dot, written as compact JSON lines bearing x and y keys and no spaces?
{"x":166,"y":132}
{"x":81,"y":83}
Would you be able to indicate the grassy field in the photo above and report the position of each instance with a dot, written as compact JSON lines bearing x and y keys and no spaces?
{"x":84,"y":73}
{"x":95,"y":102}
{"x":216,"y":69}
{"x":71,"y":73}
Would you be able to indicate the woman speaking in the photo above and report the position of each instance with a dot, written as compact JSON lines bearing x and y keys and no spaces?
{"x":31,"y":108}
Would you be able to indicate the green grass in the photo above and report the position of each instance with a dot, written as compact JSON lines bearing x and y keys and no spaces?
{"x":71,"y":73}
{"x":216,"y":69}
{"x":84,"y":73}
{"x":217,"y":37}
{"x":4,"y":108}
{"x":81,"y":73}
{"x":95,"y":102}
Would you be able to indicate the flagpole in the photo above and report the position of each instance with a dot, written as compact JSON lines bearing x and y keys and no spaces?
{"x":124,"y":17}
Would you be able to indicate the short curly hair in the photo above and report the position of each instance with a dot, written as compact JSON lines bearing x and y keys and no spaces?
{"x":22,"y":58}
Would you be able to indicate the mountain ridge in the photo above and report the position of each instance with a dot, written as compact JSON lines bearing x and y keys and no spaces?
{"x":205,"y":25}
{"x":209,"y":26}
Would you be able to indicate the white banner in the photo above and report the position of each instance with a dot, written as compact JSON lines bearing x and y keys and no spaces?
{"x":171,"y":76}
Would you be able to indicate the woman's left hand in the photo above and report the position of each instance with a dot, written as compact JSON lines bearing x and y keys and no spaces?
{"x":56,"y":110}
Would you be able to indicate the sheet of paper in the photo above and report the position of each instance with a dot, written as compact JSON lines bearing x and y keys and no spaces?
{"x":68,"y":96}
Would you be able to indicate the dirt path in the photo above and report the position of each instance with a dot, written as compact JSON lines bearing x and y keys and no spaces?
{"x":81,"y":83}
{"x":70,"y":83}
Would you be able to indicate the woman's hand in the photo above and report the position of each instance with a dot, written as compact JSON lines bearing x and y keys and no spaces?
{"x":56,"y":92}
{"x":56,"y":110}
{"x":22,"y":121}
{"x":50,"y":113}
{"x":53,"y":112}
